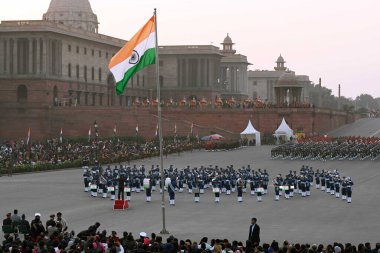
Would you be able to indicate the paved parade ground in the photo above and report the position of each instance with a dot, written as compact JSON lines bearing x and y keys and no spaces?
{"x":320,"y":218}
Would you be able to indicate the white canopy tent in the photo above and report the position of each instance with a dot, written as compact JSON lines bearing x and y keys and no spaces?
{"x":250,"y":133}
{"x":284,"y":130}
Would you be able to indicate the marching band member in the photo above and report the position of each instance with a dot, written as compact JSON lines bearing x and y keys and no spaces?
{"x":276,"y":182}
{"x":86,"y":179}
{"x":148,"y":188}
{"x":216,"y":189}
{"x":349,"y":189}
{"x":239,"y":185}
{"x":196,"y":190}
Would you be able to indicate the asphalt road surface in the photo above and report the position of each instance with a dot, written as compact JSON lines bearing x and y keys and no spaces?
{"x":319,"y":218}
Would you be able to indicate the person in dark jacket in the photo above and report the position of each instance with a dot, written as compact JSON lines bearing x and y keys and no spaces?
{"x":254,"y":232}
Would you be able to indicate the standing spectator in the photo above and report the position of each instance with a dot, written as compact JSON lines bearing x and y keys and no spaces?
{"x":7,"y":221}
{"x":37,"y":229}
{"x":25,"y":223}
{"x":15,"y":217}
{"x":254,"y":233}
{"x":377,"y":248}
{"x":62,"y":221}
{"x":51,"y":222}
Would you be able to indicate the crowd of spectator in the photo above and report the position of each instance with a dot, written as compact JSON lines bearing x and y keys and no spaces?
{"x":13,"y":154}
{"x":218,"y":102}
{"x":54,"y":237}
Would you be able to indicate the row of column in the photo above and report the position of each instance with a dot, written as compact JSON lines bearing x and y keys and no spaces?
{"x":288,"y":95}
{"x":194,"y":72}
{"x":29,"y":56}
{"x":234,"y":78}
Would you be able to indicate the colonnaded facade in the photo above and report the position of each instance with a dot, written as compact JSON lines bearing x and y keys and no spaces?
{"x":63,"y":60}
{"x":54,"y":75}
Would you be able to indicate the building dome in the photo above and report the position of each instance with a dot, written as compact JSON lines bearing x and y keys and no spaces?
{"x":74,"y":13}
{"x":288,"y":79}
{"x":280,"y":59}
{"x":227,"y":40}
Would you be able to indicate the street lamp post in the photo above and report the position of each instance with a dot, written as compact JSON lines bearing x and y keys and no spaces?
{"x":96,"y":140}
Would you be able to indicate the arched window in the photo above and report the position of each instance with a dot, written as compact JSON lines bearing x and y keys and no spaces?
{"x":22,"y":94}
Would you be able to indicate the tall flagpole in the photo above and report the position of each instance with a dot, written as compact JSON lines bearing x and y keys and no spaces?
{"x":163,"y":231}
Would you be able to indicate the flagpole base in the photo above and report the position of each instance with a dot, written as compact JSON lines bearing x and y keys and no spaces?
{"x":164,"y":232}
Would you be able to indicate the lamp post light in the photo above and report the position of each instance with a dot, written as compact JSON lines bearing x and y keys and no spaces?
{"x":96,"y":139}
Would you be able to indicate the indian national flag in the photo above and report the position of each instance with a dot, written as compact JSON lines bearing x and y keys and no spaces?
{"x":138,"y":53}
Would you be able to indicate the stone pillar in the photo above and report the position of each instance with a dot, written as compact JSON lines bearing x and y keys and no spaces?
{"x":7,"y":60}
{"x":199,"y":82}
{"x":207,"y":74}
{"x":59,"y":57}
{"x":2,"y":56}
{"x":179,"y":84}
{"x":38,"y":56}
{"x":188,"y":73}
{"x":183,"y":73}
{"x":14,"y":57}
{"x":44,"y":58}
{"x":30,"y":56}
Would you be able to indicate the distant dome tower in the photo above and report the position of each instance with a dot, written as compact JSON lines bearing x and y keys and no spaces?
{"x":227,"y":46}
{"x":74,"y":13}
{"x":280,"y":64}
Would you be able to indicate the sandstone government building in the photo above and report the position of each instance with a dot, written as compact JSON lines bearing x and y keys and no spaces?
{"x":62,"y":61}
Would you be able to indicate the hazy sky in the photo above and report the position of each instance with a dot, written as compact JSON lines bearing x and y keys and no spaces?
{"x":337,"y":40}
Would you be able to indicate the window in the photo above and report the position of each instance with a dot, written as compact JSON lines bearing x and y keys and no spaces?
{"x":100,"y":53}
{"x":161,"y":63}
{"x":161,"y":81}
{"x":92,"y":52}
{"x":69,"y":70}
{"x":106,"y":55}
{"x":22,"y":93}
{"x":100,"y":74}
{"x":143,"y":81}
{"x":69,"y":48}
{"x":77,"y":71}
{"x":138,"y":80}
{"x":85,"y":73}
{"x":85,"y":51}
{"x":77,"y":49}
{"x":254,"y":83}
{"x":92,"y":73}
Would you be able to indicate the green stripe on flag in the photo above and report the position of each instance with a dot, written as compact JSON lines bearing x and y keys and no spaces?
{"x":148,"y":58}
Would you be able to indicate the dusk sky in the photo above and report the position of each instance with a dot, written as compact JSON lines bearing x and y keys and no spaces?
{"x":337,"y":40}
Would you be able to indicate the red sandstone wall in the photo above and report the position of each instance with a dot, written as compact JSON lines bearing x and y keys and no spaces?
{"x":46,"y":122}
